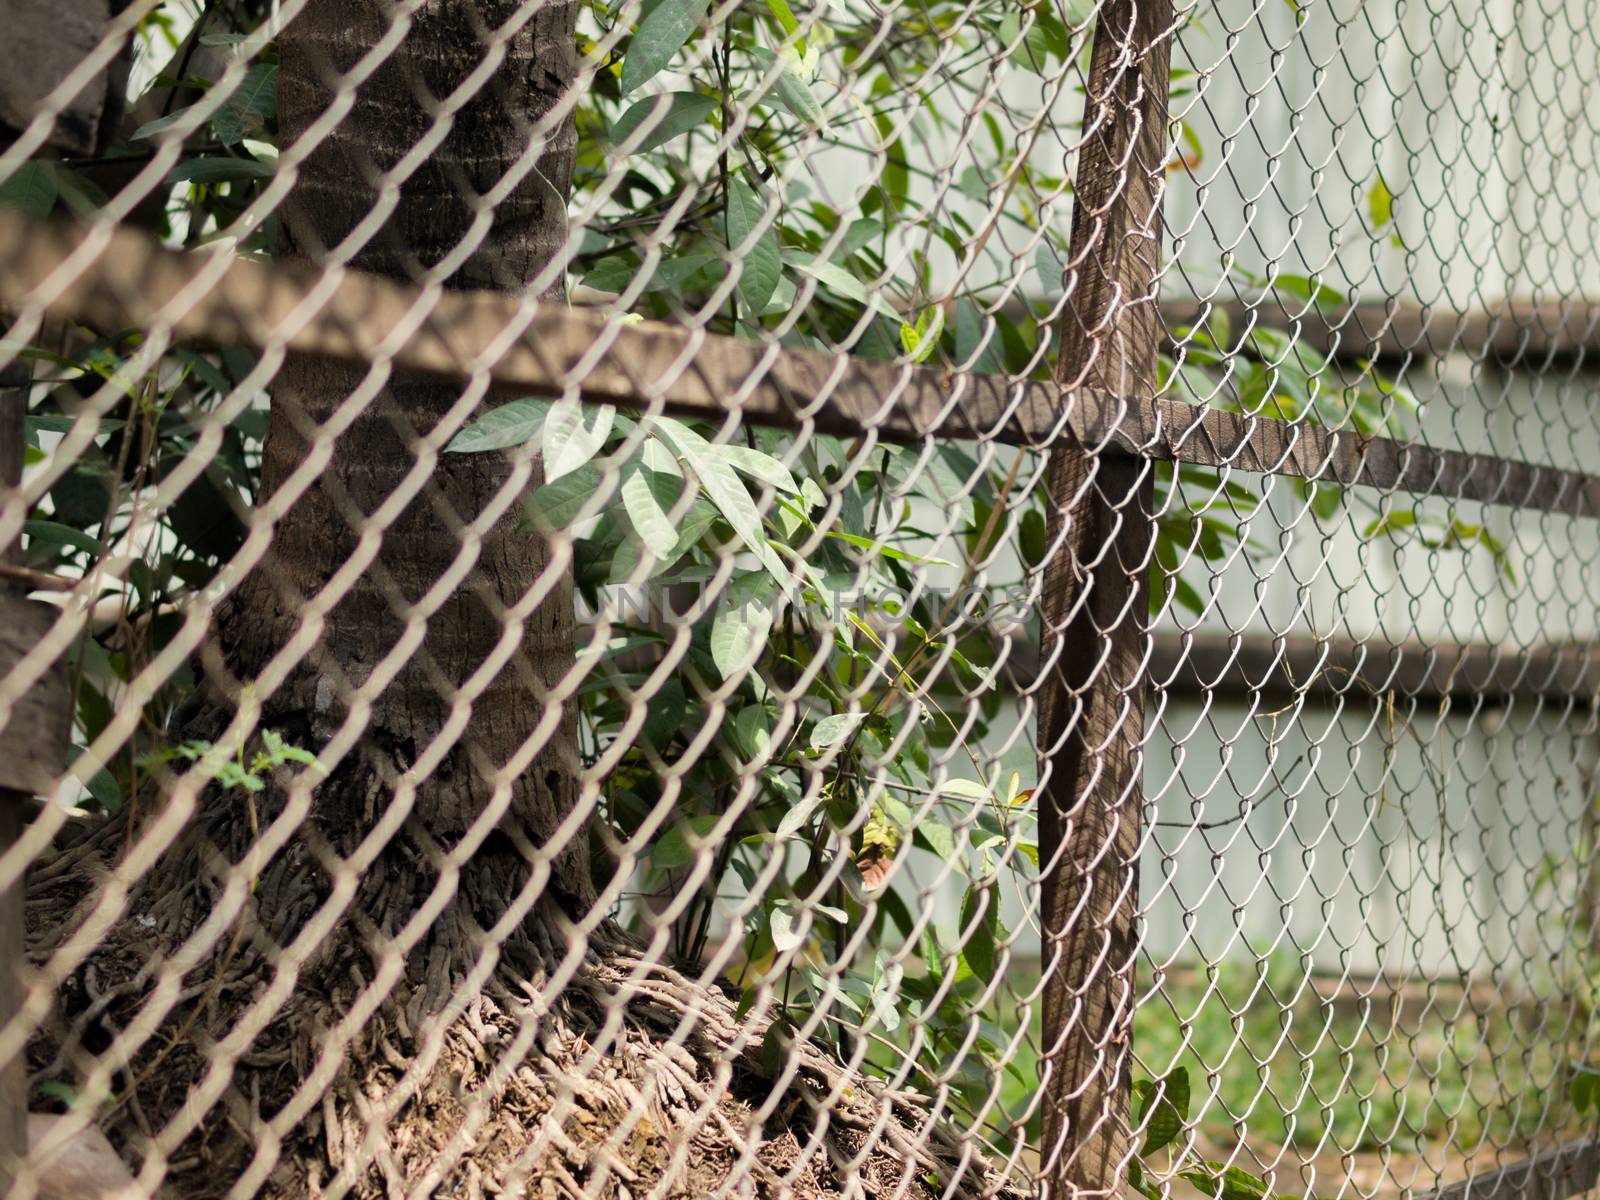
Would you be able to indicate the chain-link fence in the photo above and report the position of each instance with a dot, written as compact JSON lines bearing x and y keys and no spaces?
{"x":920,"y":599}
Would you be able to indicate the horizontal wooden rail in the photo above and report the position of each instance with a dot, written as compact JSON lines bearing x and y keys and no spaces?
{"x":1507,"y":333}
{"x":116,"y":278}
{"x":1556,"y":1174}
{"x":1280,"y":668}
{"x":1226,"y":666}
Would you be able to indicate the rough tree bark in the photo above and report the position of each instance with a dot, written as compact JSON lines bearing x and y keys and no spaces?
{"x":372,"y":458}
{"x":534,"y":1059}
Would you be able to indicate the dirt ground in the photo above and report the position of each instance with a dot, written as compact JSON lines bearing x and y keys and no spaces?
{"x":1362,"y":1175}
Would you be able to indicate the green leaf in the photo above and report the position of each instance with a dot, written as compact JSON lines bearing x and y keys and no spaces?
{"x":795,"y":94}
{"x":1196,"y":148}
{"x":612,"y":273}
{"x":689,"y":272}
{"x":723,"y":488}
{"x":897,"y":811}
{"x":1585,"y":1087}
{"x":673,"y":848}
{"x":664,"y":31}
{"x":36,"y":423}
{"x":862,"y":232}
{"x":702,"y":515}
{"x":981,"y":932}
{"x":837,"y":279}
{"x":1187,"y":594}
{"x":279,"y":751}
{"x":160,"y":125}
{"x":777,"y":1045}
{"x":885,"y":994}
{"x":56,"y":534}
{"x":786,"y":932}
{"x":830,"y":274}
{"x":797,"y":816}
{"x":922,"y":339}
{"x":758,"y":466}
{"x":874,"y":546}
{"x":1388,"y":523}
{"x":568,"y":440}
{"x":664,"y":713}
{"x":1326,"y":499}
{"x":940,"y":837}
{"x":1171,"y":1110}
{"x":663,"y":118}
{"x":966,"y":789}
{"x":1322,"y":297}
{"x":753,"y":731}
{"x":100,"y":783}
{"x":1050,"y":270}
{"x":646,"y":496}
{"x":1380,"y":203}
{"x":510,"y":424}
{"x":1226,"y":1183}
{"x":832,"y":730}
{"x":31,"y":190}
{"x":785,"y":15}
{"x":557,"y":505}
{"x":1045,"y":37}
{"x":757,"y":253}
{"x":738,"y":636}
{"x":792,"y":87}
{"x":977,"y":346}
{"x":249,"y":107}
{"x":812,"y":495}
{"x":219,"y":170}
{"x":1031,"y":537}
{"x":207,"y":372}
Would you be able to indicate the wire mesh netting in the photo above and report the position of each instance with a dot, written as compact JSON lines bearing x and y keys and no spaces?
{"x":899,"y":600}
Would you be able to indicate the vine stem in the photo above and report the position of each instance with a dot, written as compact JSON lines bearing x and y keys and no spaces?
{"x":725,"y":76}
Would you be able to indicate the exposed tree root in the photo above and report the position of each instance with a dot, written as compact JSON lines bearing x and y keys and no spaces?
{"x":526,"y":1073}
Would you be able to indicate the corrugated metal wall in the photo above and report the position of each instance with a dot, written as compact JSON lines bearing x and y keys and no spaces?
{"x":1371,"y":843}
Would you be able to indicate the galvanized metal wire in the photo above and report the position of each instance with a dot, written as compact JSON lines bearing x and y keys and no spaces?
{"x":634,"y":629}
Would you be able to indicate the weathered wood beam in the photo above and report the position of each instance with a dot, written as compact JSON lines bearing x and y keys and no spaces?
{"x":1100,"y":526}
{"x":119,"y":278}
{"x":1227,"y":667}
{"x":1555,"y":1174}
{"x":1340,"y":668}
{"x":1511,"y":332}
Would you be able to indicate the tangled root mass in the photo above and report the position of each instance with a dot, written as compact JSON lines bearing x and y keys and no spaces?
{"x":477,"y":1066}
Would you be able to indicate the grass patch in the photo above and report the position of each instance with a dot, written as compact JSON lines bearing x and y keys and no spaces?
{"x":1271,"y":1057}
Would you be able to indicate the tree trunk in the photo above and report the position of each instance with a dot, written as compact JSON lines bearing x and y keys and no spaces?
{"x":343,"y":512}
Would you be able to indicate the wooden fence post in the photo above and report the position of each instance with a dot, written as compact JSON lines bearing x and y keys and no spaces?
{"x":1096,"y":610}
{"x":33,"y":750}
